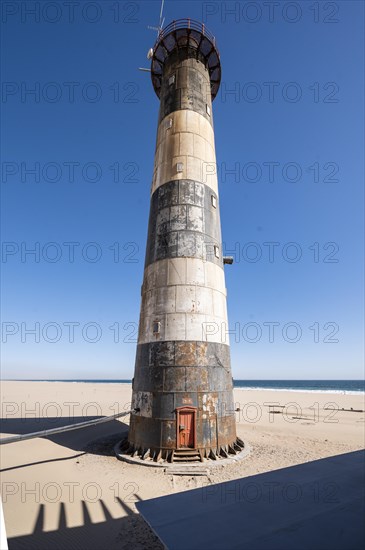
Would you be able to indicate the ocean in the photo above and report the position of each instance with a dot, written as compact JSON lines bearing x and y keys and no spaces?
{"x":326,"y":386}
{"x":323,"y":386}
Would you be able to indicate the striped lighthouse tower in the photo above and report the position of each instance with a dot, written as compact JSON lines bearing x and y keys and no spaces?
{"x":182,"y":386}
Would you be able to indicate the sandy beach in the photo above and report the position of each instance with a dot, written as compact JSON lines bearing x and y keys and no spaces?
{"x":69,"y":491}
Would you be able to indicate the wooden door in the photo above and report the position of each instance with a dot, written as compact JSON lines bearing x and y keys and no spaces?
{"x":186,"y":429}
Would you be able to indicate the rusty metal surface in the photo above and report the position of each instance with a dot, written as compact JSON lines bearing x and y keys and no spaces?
{"x":175,"y":374}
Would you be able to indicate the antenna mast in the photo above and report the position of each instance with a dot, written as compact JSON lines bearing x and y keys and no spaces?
{"x":160,"y":26}
{"x":161,"y":21}
{"x":158,"y":29}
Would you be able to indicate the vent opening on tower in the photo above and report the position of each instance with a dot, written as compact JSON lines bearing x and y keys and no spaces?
{"x":156,"y":327}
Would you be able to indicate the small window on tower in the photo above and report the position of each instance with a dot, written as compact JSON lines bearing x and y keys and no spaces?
{"x":169,"y":123}
{"x":171,"y":79}
{"x":179,"y":167}
{"x":214,"y":201}
{"x":156,"y":327}
{"x":216,"y":251}
{"x":208,"y":109}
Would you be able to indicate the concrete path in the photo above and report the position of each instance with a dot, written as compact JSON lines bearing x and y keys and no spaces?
{"x":318,"y":506}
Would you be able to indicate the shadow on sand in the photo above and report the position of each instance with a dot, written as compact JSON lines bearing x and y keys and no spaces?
{"x":123,"y":533}
{"x":99,"y":439}
{"x":119,"y":526}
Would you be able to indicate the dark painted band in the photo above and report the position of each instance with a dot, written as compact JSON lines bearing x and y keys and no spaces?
{"x":154,"y":433}
{"x":184,"y":223}
{"x":183,"y":353}
{"x":185,"y":85}
{"x":180,"y":372}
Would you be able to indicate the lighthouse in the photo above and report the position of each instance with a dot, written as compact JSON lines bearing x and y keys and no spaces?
{"x":182,"y":387}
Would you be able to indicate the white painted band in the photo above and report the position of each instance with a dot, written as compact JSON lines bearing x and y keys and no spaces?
{"x":187,"y":296}
{"x":185,"y":150}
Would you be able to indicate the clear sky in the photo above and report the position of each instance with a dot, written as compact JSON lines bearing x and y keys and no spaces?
{"x":289,"y":138}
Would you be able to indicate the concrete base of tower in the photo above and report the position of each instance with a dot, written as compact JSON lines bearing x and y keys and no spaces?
{"x":125,"y":450}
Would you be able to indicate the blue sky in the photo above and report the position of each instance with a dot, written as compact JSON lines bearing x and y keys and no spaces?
{"x":288,"y":122}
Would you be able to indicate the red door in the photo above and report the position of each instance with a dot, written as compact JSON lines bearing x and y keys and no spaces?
{"x":186,"y":429}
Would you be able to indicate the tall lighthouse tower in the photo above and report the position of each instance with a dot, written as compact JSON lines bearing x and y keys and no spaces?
{"x":182,"y":386}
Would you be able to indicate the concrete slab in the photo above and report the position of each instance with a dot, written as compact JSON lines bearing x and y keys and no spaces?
{"x":170,"y":467}
{"x":3,"y":539}
{"x":318,"y":505}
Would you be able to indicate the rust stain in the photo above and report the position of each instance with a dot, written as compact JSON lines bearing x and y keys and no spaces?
{"x":187,"y":401}
{"x":185,"y":353}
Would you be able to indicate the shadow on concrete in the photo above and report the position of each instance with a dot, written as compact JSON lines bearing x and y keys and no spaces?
{"x":318,"y":505}
{"x":129,"y":531}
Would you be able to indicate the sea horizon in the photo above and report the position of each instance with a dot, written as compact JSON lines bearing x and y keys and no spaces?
{"x":350,"y":386}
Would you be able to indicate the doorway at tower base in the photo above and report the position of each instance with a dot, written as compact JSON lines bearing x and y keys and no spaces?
{"x":183,"y":400}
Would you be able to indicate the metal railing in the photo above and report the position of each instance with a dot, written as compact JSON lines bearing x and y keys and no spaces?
{"x":186,"y":24}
